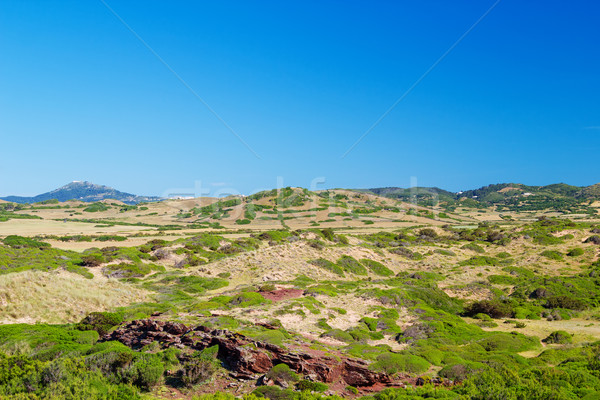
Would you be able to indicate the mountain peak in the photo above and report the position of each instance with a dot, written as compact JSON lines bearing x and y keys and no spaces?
{"x":83,"y":191}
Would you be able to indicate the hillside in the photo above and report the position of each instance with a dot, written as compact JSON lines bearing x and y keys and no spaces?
{"x":504,"y":197}
{"x":287,"y":208}
{"x":298,"y":295}
{"x":421,"y":312}
{"x":82,"y":191}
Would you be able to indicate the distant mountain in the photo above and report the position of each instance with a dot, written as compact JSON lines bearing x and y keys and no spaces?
{"x":83,"y":191}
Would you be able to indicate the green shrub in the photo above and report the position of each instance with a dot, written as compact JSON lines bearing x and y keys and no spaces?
{"x":474,"y":247}
{"x":200,"y":367}
{"x":352,"y":389}
{"x":328,"y":265}
{"x":244,"y":299}
{"x":350,"y":264}
{"x":340,"y":335}
{"x":281,"y":374}
{"x":113,"y":238}
{"x":502,"y":279}
{"x":146,"y":371}
{"x":96,"y":207}
{"x":575,"y":252}
{"x":376,"y":267}
{"x":392,"y":363}
{"x":480,"y":261}
{"x":125,"y":270}
{"x":509,"y":342}
{"x":552,"y":255}
{"x":100,"y":322}
{"x":558,"y":337}
{"x":445,"y":252}
{"x":311,"y":386}
{"x":494,"y":309}
{"x":593,"y":239}
{"x":459,"y":372}
{"x":19,"y":242}
{"x":92,"y":260}
{"x":567,"y":302}
{"x":328,"y":234}
{"x":272,"y":393}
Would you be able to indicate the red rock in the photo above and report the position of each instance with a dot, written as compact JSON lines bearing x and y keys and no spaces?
{"x":245,"y":357}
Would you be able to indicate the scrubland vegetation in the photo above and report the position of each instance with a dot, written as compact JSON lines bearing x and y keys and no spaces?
{"x":507,"y":309}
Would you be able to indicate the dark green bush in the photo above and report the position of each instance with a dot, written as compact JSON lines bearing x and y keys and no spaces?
{"x":350,"y":264}
{"x":96,"y":207}
{"x":100,"y":322}
{"x":311,"y":386}
{"x":495,"y":309}
{"x":567,"y":302}
{"x":558,"y":337}
{"x":391,"y":363}
{"x":328,"y":265}
{"x":200,"y":367}
{"x":282,"y":375}
{"x":575,"y":252}
{"x":19,"y":242}
{"x":145,"y":371}
{"x":376,"y":267}
{"x":474,"y":247}
{"x":552,"y":255}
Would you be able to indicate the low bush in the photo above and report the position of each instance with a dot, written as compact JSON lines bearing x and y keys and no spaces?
{"x":100,"y":322}
{"x":552,"y":255}
{"x":474,"y":247}
{"x":567,"y":302}
{"x":96,"y":207}
{"x":311,"y":386}
{"x":575,"y":252}
{"x":391,"y":363}
{"x":493,"y":308}
{"x":282,"y":375}
{"x":558,"y":337}
{"x":376,"y":267}
{"x":593,"y":239}
{"x":328,"y":265}
{"x":20,"y":242}
{"x":200,"y":367}
{"x":350,"y":264}
{"x":480,"y":261}
{"x":145,"y":371}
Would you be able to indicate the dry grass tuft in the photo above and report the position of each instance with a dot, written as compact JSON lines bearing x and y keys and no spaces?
{"x":60,"y":296}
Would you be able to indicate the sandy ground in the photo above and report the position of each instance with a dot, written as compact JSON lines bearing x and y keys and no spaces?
{"x":582,"y":330}
{"x":32,"y":227}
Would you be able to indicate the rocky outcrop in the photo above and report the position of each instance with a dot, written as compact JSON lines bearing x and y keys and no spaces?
{"x":247,"y":358}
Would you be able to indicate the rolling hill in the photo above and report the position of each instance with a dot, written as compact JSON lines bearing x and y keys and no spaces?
{"x":504,"y":196}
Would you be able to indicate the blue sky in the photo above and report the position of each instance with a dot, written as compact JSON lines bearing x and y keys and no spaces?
{"x":81,"y":98}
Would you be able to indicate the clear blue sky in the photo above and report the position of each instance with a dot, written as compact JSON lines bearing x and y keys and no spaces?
{"x":81,"y":98}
